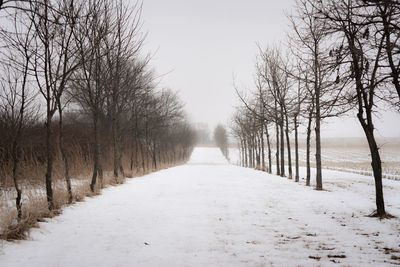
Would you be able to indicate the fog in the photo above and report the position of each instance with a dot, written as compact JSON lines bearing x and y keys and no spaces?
{"x":200,"y":47}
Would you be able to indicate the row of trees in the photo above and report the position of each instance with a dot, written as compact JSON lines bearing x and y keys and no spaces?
{"x":221,"y":140}
{"x":76,"y":67}
{"x":341,"y":56}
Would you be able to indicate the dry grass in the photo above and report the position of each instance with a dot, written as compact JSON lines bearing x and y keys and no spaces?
{"x":34,"y":202}
{"x":18,"y":230}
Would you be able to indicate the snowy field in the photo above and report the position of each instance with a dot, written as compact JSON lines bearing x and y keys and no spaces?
{"x":210,"y":213}
{"x":347,"y":154}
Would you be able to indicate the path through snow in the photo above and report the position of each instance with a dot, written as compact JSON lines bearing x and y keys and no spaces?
{"x":210,"y":213}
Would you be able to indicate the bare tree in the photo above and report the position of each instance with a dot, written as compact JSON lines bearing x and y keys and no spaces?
{"x":276,"y":80}
{"x":88,"y":88}
{"x":310,"y":35}
{"x":53,"y":64}
{"x":15,"y":98}
{"x":124,"y":42}
{"x":221,"y":139}
{"x":15,"y":114}
{"x":92,"y":51}
{"x":309,"y":44}
{"x":359,"y":60}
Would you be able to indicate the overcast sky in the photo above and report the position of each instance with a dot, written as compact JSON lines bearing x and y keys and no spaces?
{"x":201,"y":44}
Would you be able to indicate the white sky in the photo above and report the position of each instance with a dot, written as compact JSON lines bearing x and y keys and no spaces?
{"x":200,"y":45}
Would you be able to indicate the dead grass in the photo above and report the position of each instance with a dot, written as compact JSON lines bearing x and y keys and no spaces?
{"x":18,"y":230}
{"x":34,"y":203}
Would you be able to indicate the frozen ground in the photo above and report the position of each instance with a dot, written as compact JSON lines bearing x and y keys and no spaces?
{"x":209,"y":213}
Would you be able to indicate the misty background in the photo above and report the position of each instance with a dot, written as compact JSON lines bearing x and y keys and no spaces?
{"x":201,"y":47}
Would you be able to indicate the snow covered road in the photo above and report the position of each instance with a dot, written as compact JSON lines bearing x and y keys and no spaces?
{"x":210,"y":213}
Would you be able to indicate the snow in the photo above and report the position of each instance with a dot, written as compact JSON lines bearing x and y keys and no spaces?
{"x":344,"y":157}
{"x":210,"y":213}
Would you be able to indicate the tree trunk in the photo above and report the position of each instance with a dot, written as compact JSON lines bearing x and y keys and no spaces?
{"x":241,"y":153}
{"x":250,"y":149}
{"x":376,"y":166}
{"x":278,"y":172}
{"x":49,"y":157}
{"x":131,"y":153}
{"x":269,"y":150}
{"x":18,"y":199}
{"x":246,"y":162}
{"x":120,"y":154}
{"x":296,"y":144}
{"x":308,"y":147}
{"x":254,"y":149}
{"x":136,"y":153}
{"x":262,"y":148}
{"x":282,"y":145}
{"x":154,"y":156}
{"x":115,"y":147}
{"x":288,"y":146}
{"x":318,"y":143}
{"x":258,"y":152}
{"x":308,"y":153}
{"x":142,"y":158}
{"x":97,"y":168}
{"x":63,"y":153}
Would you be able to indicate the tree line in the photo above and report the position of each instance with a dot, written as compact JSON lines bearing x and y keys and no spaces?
{"x":221,"y":140}
{"x":340,"y":57}
{"x":79,"y":98}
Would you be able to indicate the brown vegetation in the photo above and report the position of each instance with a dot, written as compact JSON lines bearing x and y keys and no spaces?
{"x":80,"y":108}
